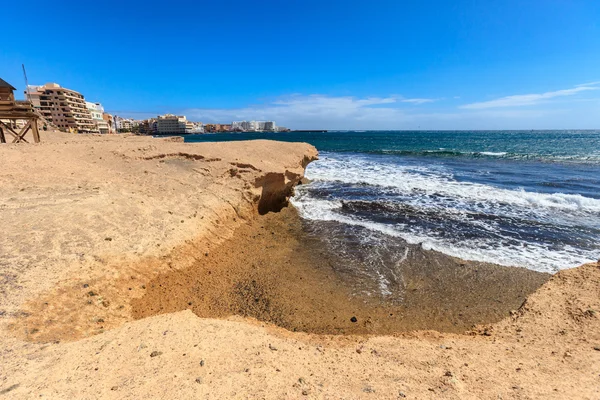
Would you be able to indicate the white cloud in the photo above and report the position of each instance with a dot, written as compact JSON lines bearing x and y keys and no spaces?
{"x":418,"y":101}
{"x":393,"y":112}
{"x":589,"y":84}
{"x":316,"y":111}
{"x":346,"y":102}
{"x":530,"y":99}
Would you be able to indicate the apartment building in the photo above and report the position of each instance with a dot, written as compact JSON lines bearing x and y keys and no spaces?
{"x":216,"y":128}
{"x":125,"y":124}
{"x":64,"y":107}
{"x":252,"y":126}
{"x":246,"y":126}
{"x":198,"y":127}
{"x":270,"y":126}
{"x":189,"y":127}
{"x":109,"y":121}
{"x":97,"y":112}
{"x":266,"y":126}
{"x":170,"y":124}
{"x":238,"y":125}
{"x":147,"y":126}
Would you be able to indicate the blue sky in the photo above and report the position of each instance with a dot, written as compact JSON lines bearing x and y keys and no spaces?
{"x":443,"y":64}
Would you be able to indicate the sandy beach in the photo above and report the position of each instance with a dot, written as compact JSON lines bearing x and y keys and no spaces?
{"x":134,"y":267}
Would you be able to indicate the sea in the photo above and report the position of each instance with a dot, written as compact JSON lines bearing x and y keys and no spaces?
{"x":516,"y":198}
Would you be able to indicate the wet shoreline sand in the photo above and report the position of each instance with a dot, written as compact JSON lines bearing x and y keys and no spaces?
{"x":273,"y":270}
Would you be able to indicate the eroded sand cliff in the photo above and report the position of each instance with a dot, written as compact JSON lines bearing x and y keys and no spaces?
{"x":88,"y":222}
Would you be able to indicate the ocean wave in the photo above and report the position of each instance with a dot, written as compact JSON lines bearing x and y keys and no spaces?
{"x":428,"y":204}
{"x":499,"y":250}
{"x":593,"y":158}
{"x":432,"y":182}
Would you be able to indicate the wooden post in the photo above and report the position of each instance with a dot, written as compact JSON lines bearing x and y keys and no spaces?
{"x":35,"y":130}
{"x":2,"y":137}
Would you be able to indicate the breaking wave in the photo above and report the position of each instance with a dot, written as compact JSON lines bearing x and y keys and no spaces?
{"x":593,"y":158}
{"x":458,"y":210}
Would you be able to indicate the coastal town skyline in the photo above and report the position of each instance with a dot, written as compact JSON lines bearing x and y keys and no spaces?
{"x":314,"y":65}
{"x":96,"y":120}
{"x":68,"y":110}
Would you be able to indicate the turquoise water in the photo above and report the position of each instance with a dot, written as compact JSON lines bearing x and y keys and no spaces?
{"x":525,"y":198}
{"x":563,"y":146}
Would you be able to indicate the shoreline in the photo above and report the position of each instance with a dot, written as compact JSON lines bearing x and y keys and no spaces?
{"x":103,"y":219}
{"x":272,"y":270}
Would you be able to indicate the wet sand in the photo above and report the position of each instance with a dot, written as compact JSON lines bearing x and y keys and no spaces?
{"x":273,"y":269}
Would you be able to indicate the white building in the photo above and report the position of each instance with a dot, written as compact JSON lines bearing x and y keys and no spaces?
{"x":266,"y":126}
{"x":238,"y":125}
{"x":96,"y":109}
{"x":253,"y":126}
{"x":124,"y":124}
{"x":198,"y":127}
{"x":270,"y":126}
{"x":245,"y":126}
{"x":97,"y":112}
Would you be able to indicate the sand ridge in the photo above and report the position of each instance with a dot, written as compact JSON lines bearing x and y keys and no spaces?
{"x":77,"y":203}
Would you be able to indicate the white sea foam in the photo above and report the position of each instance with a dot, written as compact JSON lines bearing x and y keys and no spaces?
{"x":432,"y":182}
{"x":537,"y":257}
{"x":434,"y":188}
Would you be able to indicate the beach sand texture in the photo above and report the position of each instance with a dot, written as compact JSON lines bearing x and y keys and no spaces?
{"x":93,"y":226}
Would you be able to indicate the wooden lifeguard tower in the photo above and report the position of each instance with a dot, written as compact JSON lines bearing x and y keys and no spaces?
{"x":12,"y":111}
